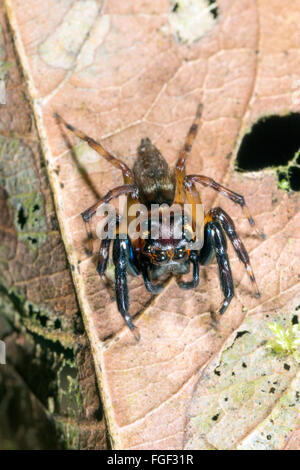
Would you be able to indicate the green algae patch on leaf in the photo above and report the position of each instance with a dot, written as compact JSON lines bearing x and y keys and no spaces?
{"x":248,"y":397}
{"x":285,"y":341}
{"x":22,"y":188}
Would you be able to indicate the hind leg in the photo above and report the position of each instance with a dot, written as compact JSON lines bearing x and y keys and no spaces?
{"x":116,"y":162}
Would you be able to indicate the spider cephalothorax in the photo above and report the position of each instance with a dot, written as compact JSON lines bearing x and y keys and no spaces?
{"x":152,"y":183}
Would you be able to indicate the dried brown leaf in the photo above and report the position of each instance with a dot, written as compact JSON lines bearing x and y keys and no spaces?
{"x":121,"y":77}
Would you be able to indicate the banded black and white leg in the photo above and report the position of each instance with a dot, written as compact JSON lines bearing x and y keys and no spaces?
{"x":227,"y":223}
{"x":215,"y":245}
{"x":218,"y":224}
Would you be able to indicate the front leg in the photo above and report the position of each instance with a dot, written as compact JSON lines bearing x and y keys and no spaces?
{"x":218,"y":242}
{"x":103,"y":256}
{"x":120,"y":259}
{"x":126,"y":189}
{"x":221,"y":216}
{"x":190,"y":180}
{"x":152,"y":288}
{"x":105,"y":243}
{"x":194,"y":283}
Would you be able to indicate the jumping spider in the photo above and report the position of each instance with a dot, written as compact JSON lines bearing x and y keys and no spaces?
{"x":151,"y":182}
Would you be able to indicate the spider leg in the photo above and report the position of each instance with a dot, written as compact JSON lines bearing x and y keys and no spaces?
{"x":127,"y":173}
{"x":227,"y":223}
{"x":194,"y":200}
{"x":133,"y":265}
{"x":120,"y":259}
{"x":103,"y":256}
{"x":181,"y":162}
{"x":190,"y":180}
{"x":105,"y":245}
{"x":194,"y":283}
{"x":219,"y":245}
{"x":91,"y":211}
{"x":113,"y":193}
{"x":117,"y":163}
{"x":152,"y":288}
{"x":90,"y":250}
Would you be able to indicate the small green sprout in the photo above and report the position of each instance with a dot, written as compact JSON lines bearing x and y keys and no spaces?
{"x":286,"y":341}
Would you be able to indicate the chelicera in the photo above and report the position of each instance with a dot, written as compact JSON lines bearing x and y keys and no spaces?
{"x":152,"y":182}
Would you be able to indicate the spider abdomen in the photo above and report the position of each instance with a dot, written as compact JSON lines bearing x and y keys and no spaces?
{"x":152,"y":176}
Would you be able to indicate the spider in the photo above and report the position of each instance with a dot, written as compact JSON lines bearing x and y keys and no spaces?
{"x":152,"y":182}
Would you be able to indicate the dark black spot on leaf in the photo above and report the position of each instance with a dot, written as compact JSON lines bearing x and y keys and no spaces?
{"x":214,"y":11}
{"x":175,"y":7}
{"x":22,"y":218}
{"x":242,"y":333}
{"x":215,"y":418}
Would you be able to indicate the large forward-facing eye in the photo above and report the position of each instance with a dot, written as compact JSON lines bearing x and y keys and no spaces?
{"x":160,"y":257}
{"x":179,"y":253}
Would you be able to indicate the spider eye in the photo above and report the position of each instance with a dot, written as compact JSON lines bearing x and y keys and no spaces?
{"x":160,"y":256}
{"x":179,"y":253}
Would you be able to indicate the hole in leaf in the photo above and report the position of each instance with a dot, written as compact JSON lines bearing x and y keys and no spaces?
{"x":274,"y":142}
{"x":215,"y":10}
{"x":294,"y":177}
